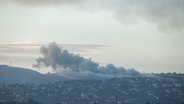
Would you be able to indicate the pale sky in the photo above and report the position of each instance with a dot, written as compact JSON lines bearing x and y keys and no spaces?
{"x":146,"y":35}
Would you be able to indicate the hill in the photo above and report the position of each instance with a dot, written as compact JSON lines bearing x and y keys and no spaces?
{"x":12,"y":75}
{"x":19,"y":85}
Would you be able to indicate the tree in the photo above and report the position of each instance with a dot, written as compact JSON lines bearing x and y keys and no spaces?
{"x":95,"y":102}
{"x":148,"y":103}
{"x":31,"y":101}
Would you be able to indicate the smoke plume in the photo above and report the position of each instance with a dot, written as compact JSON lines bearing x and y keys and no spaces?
{"x":167,"y":15}
{"x":75,"y":66}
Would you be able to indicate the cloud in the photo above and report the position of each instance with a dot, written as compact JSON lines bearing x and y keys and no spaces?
{"x":41,"y":2}
{"x":75,"y":66}
{"x":167,"y":15}
{"x":33,"y":46}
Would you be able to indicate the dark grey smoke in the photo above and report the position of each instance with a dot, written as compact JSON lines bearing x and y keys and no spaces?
{"x":167,"y":15}
{"x":74,"y":66}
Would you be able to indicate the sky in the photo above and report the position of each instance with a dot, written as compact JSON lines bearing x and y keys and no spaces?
{"x":143,"y":34}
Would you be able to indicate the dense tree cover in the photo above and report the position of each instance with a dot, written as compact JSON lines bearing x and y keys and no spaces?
{"x":30,"y":101}
{"x":160,"y":89}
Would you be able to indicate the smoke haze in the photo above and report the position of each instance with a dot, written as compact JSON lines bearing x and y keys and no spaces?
{"x":75,"y":66}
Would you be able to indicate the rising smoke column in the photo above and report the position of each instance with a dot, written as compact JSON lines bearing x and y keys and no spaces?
{"x":75,"y":66}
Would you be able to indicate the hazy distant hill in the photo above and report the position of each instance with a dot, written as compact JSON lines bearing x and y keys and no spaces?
{"x":11,"y":75}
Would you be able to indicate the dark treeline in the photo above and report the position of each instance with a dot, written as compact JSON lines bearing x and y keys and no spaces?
{"x":30,"y":101}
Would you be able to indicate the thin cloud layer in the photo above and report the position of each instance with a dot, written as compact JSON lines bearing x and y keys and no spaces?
{"x":33,"y":46}
{"x":77,"y":67}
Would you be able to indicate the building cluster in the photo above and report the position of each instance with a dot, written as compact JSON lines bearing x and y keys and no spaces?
{"x":160,"y":89}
